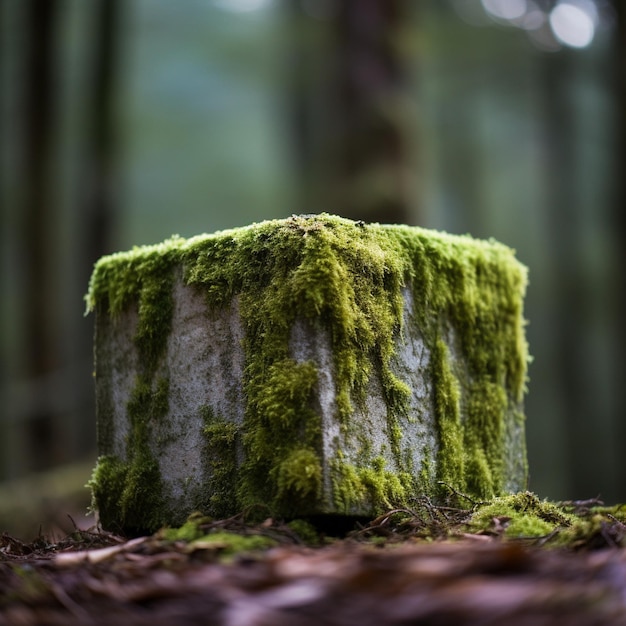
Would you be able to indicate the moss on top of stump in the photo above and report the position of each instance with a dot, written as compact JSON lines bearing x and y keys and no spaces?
{"x":348,"y":277}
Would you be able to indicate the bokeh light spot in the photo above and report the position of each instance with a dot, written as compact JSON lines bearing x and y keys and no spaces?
{"x":572,"y":25}
{"x":505,"y":9}
{"x":242,"y":6}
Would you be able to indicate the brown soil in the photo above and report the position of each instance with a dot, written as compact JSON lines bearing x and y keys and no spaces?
{"x":98,"y":578}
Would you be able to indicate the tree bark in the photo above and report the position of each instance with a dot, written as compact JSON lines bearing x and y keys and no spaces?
{"x":37,"y":223}
{"x":619,"y":222}
{"x":372,"y":153}
{"x":97,"y":208}
{"x":351,"y":120}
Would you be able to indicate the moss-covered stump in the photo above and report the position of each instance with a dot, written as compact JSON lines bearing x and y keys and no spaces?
{"x":314,"y":365}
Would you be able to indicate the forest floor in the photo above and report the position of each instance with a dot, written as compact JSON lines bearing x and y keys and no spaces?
{"x":429,"y":565}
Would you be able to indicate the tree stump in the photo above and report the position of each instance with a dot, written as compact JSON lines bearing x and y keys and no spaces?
{"x":313,"y":365}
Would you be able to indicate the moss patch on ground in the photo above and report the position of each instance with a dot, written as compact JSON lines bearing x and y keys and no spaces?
{"x":347,"y":278}
{"x":573,"y":525}
{"x":521,"y":517}
{"x":226,"y":543}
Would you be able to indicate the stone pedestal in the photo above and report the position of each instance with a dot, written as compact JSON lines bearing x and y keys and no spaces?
{"x":311,"y":365}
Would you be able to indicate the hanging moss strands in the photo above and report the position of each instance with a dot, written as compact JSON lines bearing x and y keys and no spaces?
{"x":314,"y":365}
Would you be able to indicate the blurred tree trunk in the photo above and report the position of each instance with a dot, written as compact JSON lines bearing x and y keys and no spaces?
{"x":619,"y":221}
{"x":99,"y":206}
{"x":351,"y":118}
{"x":593,"y":430}
{"x":96,"y":216}
{"x":568,"y":313}
{"x":37,"y":222}
{"x":53,"y":417}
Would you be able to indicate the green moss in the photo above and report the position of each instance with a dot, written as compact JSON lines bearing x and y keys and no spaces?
{"x":474,"y":289}
{"x":386,"y":488}
{"x":128,"y":495}
{"x":348,"y":279}
{"x":300,"y":475}
{"x":305,"y":531}
{"x":595,"y":526}
{"x":282,"y":437}
{"x":525,"y":516}
{"x":483,"y":438}
{"x":228,"y":544}
{"x":450,"y":457}
{"x":355,"y":488}
{"x":131,"y":490}
{"x":189,"y":531}
{"x":222,"y":438}
{"x":231,"y":544}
